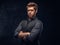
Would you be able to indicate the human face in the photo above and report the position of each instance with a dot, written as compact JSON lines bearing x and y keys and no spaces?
{"x":31,"y":12}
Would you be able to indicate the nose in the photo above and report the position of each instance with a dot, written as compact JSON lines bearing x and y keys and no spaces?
{"x":29,"y":11}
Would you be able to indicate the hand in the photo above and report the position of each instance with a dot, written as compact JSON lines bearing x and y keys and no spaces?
{"x":20,"y":34}
{"x":23,"y":34}
{"x":26,"y":34}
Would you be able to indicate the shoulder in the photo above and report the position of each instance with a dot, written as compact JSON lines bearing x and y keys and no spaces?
{"x":23,"y":21}
{"x":39,"y":21}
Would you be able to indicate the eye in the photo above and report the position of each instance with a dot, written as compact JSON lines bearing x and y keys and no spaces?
{"x":31,"y":10}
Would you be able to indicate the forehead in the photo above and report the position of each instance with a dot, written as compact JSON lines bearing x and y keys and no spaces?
{"x":30,"y":8}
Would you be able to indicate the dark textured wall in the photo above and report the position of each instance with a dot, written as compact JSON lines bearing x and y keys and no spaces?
{"x":13,"y":11}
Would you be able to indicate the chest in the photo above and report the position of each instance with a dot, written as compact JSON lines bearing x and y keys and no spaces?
{"x":28,"y":26}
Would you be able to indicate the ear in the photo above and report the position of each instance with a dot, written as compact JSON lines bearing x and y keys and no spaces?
{"x":36,"y":11}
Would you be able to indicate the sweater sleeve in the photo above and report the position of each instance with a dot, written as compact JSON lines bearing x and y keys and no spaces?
{"x":18,"y":29}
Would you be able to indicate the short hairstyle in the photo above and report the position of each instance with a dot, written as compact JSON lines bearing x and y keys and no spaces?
{"x":32,"y":4}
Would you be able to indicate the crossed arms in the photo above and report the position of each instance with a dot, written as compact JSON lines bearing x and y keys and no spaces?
{"x":29,"y":35}
{"x":23,"y":35}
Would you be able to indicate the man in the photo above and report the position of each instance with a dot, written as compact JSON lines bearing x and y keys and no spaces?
{"x":29,"y":30}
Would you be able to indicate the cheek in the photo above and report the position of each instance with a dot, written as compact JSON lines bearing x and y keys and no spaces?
{"x":33,"y":12}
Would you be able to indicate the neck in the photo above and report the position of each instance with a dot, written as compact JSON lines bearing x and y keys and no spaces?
{"x":32,"y":18}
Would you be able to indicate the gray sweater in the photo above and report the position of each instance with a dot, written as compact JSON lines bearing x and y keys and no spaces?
{"x":34,"y":26}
